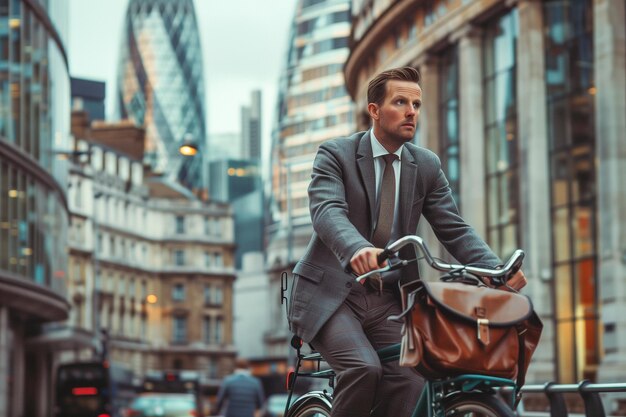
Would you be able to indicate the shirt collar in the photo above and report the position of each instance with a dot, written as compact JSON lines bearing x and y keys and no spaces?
{"x":379,"y":150}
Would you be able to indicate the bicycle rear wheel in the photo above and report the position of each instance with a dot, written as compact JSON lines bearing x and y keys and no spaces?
{"x":311,"y":409}
{"x":477,"y":405}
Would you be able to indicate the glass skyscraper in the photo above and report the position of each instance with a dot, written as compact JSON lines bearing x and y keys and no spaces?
{"x":161,"y":85}
{"x":313,"y":106}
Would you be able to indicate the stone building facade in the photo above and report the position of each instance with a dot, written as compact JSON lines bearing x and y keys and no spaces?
{"x":525,"y":102}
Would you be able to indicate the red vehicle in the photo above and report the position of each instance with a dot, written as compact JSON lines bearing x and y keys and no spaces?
{"x":93,"y":389}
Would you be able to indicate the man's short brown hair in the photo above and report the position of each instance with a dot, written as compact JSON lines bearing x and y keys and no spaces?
{"x":377,"y":87}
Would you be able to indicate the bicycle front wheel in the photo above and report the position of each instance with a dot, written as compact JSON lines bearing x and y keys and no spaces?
{"x":311,"y":409}
{"x":477,"y":405}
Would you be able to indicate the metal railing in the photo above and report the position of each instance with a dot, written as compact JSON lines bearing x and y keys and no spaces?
{"x":588,"y":392}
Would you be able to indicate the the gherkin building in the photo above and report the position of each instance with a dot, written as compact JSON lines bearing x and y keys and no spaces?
{"x":161,"y":86}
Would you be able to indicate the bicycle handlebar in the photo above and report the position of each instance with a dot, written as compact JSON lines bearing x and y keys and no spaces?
{"x":509,"y":269}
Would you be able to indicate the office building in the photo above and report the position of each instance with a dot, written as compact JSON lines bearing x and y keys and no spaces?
{"x":313,"y":106}
{"x":251,"y":135}
{"x":525,"y":102}
{"x":34,"y":140}
{"x":150,"y":263}
{"x":238,"y":182}
{"x":89,"y":96}
{"x":161,"y":85}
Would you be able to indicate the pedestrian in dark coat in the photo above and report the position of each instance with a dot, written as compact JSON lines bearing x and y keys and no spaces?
{"x":240,"y":392}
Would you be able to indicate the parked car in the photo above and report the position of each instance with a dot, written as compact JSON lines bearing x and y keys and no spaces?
{"x":163,"y":405}
{"x":275,"y":405}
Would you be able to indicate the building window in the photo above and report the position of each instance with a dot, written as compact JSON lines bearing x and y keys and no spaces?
{"x":219,"y":260}
{"x":206,"y":330}
{"x":219,"y":295}
{"x":180,"y":329}
{"x":449,"y":123}
{"x":499,"y":84}
{"x":213,"y":295}
{"x":208,"y":259}
{"x":213,"y":369}
{"x":569,"y":85}
{"x":178,"y":292}
{"x":180,"y":224}
{"x":78,"y":194}
{"x":179,"y":257}
{"x":207,"y":294}
{"x":218,"y":333}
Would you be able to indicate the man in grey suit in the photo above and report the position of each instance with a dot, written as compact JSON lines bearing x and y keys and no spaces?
{"x":366,"y":190}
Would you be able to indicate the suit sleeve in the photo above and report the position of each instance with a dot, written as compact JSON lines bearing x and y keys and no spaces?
{"x":459,"y":238}
{"x":329,"y":208}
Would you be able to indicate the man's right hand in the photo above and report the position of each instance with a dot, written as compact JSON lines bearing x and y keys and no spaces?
{"x":364,"y":260}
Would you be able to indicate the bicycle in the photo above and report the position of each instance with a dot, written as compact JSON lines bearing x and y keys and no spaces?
{"x":469,"y":395}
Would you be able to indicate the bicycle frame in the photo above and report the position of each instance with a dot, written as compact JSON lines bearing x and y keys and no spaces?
{"x":430,"y":403}
{"x":435,"y":392}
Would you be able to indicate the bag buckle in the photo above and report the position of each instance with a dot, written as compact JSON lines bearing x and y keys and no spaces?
{"x":483,"y":331}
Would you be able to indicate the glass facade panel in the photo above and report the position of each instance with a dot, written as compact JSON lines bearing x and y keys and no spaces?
{"x":500,"y":107}
{"x":34,"y":116}
{"x":561,"y":234}
{"x":569,"y":77}
{"x":563,"y":292}
{"x":563,"y":345}
{"x":449,"y":123}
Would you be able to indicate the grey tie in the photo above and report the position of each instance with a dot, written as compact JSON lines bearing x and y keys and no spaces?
{"x":386,"y":207}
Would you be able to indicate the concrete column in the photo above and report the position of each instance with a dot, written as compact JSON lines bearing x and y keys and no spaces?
{"x":535,"y":222}
{"x":19,"y":366}
{"x":4,"y":361}
{"x":472,"y":128}
{"x":610,"y":75}
{"x":429,"y":136}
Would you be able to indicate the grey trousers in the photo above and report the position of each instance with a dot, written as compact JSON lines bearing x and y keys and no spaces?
{"x":349,"y":340}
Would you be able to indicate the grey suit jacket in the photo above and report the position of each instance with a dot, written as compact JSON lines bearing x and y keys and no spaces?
{"x":342,"y":196}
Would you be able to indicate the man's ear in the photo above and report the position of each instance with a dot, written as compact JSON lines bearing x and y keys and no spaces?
{"x":373,"y":110}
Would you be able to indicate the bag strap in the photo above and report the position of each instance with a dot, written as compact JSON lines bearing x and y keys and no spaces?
{"x":521,"y":360}
{"x":410,"y":302}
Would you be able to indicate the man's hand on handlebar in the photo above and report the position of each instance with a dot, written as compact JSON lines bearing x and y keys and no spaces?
{"x":517,"y":281}
{"x":364,"y":261}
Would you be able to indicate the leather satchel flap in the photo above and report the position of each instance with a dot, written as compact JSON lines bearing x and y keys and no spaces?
{"x":470,"y":302}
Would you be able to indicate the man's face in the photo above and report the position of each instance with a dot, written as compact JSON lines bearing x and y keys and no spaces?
{"x":395,"y":119}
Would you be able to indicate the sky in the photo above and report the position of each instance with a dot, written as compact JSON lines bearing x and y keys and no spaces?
{"x":244,"y":44}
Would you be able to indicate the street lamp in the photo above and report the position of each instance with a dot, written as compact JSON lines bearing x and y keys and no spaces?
{"x":190,"y":148}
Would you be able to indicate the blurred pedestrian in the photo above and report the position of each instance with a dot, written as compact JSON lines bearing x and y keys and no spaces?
{"x":241,"y":392}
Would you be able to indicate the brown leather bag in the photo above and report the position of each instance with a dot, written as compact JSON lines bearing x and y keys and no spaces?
{"x":453,"y":328}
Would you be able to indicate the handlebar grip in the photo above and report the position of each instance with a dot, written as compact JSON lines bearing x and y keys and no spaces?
{"x":383,"y":256}
{"x":517,"y":264}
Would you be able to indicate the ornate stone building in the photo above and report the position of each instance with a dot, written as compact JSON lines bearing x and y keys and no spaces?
{"x":150,"y":263}
{"x":525,"y":102}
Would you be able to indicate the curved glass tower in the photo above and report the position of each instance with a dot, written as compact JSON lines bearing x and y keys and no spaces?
{"x":34,"y":130}
{"x":313,"y":106}
{"x":161,"y":85}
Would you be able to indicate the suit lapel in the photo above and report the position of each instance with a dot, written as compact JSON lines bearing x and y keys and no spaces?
{"x":408,"y":176}
{"x":365,"y":161}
